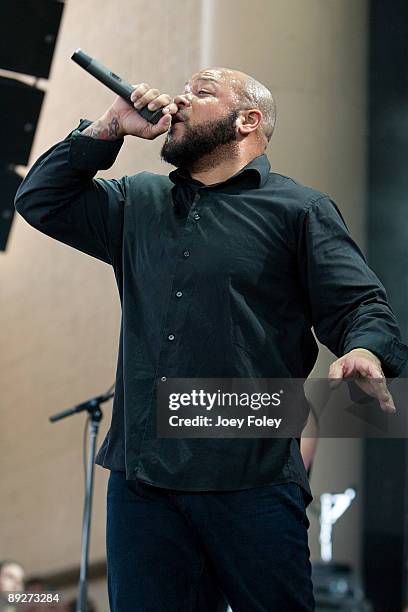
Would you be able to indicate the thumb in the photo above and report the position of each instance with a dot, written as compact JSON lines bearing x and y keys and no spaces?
{"x":161,"y":126}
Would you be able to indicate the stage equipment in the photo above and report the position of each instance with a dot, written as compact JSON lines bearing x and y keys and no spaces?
{"x":29,"y":30}
{"x":385,"y":522}
{"x":9,"y":181}
{"x":332,"y":507}
{"x":336,"y":586}
{"x":93,"y":407}
{"x":20,"y":105}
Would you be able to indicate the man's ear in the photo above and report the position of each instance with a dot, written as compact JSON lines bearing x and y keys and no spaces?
{"x":248,"y":121}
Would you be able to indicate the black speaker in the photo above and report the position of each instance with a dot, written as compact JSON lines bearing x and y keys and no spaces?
{"x":9,"y":183}
{"x":385,"y":518}
{"x":28,"y":31}
{"x":337,"y":586}
{"x":385,"y":523}
{"x":20,"y":106}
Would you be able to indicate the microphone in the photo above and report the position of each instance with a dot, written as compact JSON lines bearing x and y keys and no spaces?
{"x":114,"y":82}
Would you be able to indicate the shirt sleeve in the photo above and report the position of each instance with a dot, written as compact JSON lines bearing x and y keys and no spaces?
{"x":347,"y":303}
{"x":60,"y":197}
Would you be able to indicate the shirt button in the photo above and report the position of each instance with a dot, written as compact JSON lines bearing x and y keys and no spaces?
{"x":196,"y":216}
{"x":186,"y":253}
{"x":163,"y":379}
{"x":179,"y":294}
{"x":170,"y":336}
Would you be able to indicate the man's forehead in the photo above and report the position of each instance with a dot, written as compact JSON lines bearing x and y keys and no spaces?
{"x":210,"y":74}
{"x":222,"y":77}
{"x":211,"y":79}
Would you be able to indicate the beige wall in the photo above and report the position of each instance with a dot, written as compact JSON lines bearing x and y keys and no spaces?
{"x":59,"y":308}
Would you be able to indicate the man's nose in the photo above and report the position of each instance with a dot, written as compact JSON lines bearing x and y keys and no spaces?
{"x":183,"y":100}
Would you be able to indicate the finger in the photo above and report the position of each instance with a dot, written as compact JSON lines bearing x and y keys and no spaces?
{"x":376,"y":385}
{"x":139,"y":90}
{"x":159,"y":102}
{"x":172,"y":109}
{"x":349,"y":368}
{"x":386,"y":400}
{"x":160,"y":127}
{"x":367,"y":370}
{"x":335,"y":374}
{"x":380,"y":390}
{"x":146,"y":97}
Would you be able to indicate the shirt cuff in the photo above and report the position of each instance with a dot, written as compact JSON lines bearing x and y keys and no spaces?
{"x":392,"y":353}
{"x":88,"y":154}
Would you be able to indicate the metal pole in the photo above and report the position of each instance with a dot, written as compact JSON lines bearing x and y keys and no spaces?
{"x":95,"y":416}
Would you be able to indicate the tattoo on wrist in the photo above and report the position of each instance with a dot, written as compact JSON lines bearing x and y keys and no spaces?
{"x":102,"y":130}
{"x":113,"y":127}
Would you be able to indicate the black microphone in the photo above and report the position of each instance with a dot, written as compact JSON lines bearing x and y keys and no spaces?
{"x":114,"y":82}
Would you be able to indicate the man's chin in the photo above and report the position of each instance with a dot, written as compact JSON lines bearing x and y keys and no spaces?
{"x":168,"y":157}
{"x":171,"y":152}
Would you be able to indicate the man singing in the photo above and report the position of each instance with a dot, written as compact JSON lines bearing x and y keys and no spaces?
{"x":223,"y":268}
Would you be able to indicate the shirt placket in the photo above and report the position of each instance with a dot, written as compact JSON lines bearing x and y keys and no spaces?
{"x":174,"y":322}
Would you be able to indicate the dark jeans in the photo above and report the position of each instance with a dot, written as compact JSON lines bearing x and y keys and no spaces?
{"x":172,"y":551}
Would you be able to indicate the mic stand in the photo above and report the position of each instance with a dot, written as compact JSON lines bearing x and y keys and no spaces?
{"x":332,"y":507}
{"x":93,"y":407}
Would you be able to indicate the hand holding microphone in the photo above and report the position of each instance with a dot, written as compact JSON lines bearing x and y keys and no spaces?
{"x":139,"y":110}
{"x":122,"y":120}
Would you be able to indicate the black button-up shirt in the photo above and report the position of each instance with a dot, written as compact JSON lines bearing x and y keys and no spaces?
{"x":221,"y":281}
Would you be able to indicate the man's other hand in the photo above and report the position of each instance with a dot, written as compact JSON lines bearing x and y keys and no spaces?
{"x":365,"y":367}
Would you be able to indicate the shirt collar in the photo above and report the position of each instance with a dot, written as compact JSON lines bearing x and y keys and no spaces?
{"x":254,"y":174}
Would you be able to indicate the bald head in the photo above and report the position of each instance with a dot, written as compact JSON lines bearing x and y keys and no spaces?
{"x":253,"y":94}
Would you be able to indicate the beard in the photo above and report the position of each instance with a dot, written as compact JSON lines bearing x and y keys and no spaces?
{"x":198,"y":141}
